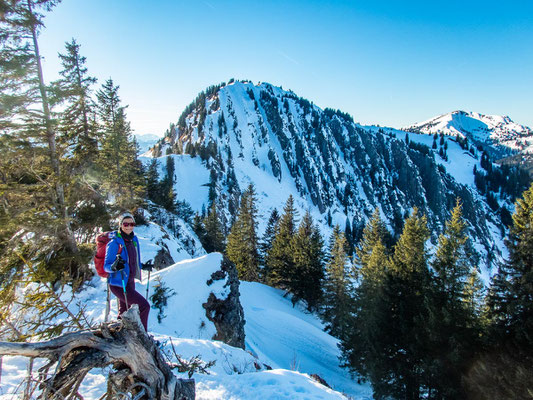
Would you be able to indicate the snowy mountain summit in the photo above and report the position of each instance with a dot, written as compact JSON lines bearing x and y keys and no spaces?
{"x":494,"y":130}
{"x":240,"y":133}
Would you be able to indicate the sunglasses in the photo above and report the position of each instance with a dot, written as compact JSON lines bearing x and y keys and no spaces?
{"x":127,"y":224}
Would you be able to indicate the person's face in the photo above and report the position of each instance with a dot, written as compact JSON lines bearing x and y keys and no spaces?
{"x":127,"y":225}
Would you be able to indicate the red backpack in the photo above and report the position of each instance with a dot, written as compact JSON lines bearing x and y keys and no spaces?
{"x":101,"y":242}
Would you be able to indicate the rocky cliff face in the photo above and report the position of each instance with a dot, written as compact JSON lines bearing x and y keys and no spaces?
{"x":261,"y":133}
{"x":226,"y":313}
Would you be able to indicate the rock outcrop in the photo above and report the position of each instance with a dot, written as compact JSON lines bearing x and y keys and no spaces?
{"x":226,"y":313}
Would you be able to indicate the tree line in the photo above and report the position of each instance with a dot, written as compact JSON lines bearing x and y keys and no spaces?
{"x":414,"y":323}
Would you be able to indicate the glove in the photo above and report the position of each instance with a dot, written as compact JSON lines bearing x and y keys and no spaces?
{"x":118,"y":264}
{"x":147,"y":266}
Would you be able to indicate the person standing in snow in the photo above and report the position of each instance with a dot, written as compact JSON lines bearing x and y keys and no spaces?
{"x":123,"y":263}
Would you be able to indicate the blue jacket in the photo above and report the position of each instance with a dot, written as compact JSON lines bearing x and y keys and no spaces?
{"x":111,"y":251}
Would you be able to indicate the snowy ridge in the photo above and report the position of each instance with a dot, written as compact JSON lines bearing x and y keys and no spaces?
{"x":340,"y":171}
{"x":488,"y":129}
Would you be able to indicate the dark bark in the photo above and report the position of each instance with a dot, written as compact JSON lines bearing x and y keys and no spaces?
{"x":137,"y":360}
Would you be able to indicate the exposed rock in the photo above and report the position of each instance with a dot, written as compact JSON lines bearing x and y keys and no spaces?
{"x":227,"y":313}
{"x":163,"y":259}
{"x":320,"y":380}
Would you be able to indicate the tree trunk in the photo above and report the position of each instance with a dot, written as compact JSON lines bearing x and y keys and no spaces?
{"x":69,"y":239}
{"x":138,"y":363}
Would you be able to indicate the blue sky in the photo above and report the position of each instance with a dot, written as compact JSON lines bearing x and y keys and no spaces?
{"x":390,"y":63}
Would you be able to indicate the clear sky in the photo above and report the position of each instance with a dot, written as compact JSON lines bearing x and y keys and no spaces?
{"x":391,"y":63}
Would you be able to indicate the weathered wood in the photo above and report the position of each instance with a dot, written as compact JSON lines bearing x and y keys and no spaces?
{"x":138,"y":362}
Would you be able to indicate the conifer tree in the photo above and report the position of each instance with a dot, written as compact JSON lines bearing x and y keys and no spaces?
{"x":388,"y":339}
{"x":34,"y":184}
{"x":198,"y":227}
{"x":337,"y":300}
{"x":31,"y":164}
{"x":242,"y":242}
{"x":308,"y":273}
{"x":74,"y":90}
{"x":375,"y":231}
{"x":508,"y":353}
{"x":266,"y":242}
{"x":166,"y":193}
{"x":510,"y":297}
{"x":280,"y":260}
{"x":454,"y":318}
{"x":152,"y":182}
{"x":348,"y":234}
{"x":362,"y":347}
{"x":214,"y":231}
{"x":118,"y":154}
{"x":405,"y":290}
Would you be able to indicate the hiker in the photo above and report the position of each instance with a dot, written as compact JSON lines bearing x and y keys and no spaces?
{"x":123,"y":263}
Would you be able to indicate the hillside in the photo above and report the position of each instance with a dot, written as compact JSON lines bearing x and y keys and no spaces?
{"x":286,"y":339}
{"x":241,"y":133}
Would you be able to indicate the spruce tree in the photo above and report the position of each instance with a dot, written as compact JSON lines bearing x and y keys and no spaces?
{"x":375,"y":231}
{"x":33,"y":175}
{"x":242,"y":242}
{"x":280,"y":260}
{"x":35,"y":182}
{"x":362,"y":348}
{"x":152,"y":182}
{"x":396,"y":315}
{"x":118,"y":154}
{"x":454,"y":313}
{"x":73,"y":90}
{"x":508,"y":353}
{"x":349,"y":237}
{"x":167,"y":194}
{"x":337,"y":300}
{"x":29,"y":137}
{"x":199,"y":228}
{"x":266,"y":242}
{"x":405,"y":291}
{"x":510,"y":297}
{"x":214,"y":231}
{"x":308,"y":273}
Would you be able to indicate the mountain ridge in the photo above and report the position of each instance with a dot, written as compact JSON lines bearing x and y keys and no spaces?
{"x":499,"y":132}
{"x":339,"y":169}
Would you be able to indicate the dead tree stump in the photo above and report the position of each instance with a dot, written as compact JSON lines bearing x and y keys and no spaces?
{"x":138,"y":362}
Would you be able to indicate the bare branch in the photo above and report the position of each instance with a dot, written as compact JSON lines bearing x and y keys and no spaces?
{"x":125,"y":345}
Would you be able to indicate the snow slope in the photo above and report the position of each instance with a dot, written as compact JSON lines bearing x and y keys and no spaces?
{"x":242,"y":133}
{"x":489,"y":129}
{"x":285,"y":338}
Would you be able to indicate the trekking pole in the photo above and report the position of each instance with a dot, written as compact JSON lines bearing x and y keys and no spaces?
{"x":148,"y":285}
{"x":124,"y":287}
{"x":107,"y":306}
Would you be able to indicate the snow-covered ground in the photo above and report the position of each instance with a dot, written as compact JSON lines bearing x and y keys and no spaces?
{"x":287,"y":339}
{"x":495,"y":129}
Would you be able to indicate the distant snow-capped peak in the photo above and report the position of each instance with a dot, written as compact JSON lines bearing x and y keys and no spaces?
{"x":146,"y":141}
{"x":488,"y":129}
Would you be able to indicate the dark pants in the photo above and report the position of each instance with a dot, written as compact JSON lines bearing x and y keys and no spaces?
{"x":133,"y":297}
